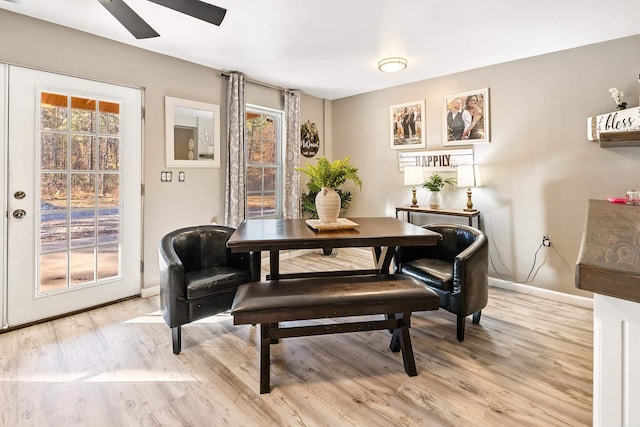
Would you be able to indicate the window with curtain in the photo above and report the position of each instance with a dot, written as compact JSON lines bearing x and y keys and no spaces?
{"x":264,"y":145}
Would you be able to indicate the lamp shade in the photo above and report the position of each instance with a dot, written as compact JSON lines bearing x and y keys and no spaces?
{"x":469,"y":176}
{"x":413,"y":175}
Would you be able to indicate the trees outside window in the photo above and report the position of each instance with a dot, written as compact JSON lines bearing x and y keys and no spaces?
{"x":265,"y":139}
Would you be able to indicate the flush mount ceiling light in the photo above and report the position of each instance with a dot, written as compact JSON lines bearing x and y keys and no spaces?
{"x":392,"y":65}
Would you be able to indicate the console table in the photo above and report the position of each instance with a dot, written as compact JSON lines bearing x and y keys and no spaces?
{"x":451,"y":212}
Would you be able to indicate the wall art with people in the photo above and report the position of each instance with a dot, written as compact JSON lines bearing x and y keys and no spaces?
{"x":466,"y":119}
{"x":407,"y":123}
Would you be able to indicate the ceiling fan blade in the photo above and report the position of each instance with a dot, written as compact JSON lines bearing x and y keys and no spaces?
{"x":129,"y":19}
{"x":196,"y":8}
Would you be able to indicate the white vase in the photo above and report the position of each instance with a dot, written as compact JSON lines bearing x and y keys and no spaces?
{"x":435,"y":200}
{"x":328,"y":205}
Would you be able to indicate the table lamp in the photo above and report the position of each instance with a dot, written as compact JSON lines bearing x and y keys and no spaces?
{"x":469,"y":176}
{"x":413,"y":176}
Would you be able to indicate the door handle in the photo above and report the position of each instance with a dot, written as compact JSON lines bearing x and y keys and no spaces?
{"x":19,"y":213}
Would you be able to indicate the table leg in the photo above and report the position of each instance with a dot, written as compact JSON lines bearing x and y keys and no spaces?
{"x":382,"y":257}
{"x":274,"y":265}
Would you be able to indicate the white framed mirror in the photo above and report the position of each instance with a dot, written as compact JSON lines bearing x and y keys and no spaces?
{"x":192,"y":133}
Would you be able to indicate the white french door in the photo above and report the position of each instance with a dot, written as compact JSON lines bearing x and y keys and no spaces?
{"x":73,"y":199}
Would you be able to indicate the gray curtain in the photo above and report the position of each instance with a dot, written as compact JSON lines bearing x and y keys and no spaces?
{"x":292,"y":159}
{"x":235,"y":199}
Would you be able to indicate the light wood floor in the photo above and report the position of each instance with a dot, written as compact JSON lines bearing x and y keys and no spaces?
{"x":529,"y":363}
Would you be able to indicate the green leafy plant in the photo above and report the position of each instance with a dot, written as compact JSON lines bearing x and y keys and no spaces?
{"x":331,"y":174}
{"x":328,"y":174}
{"x":435,"y":182}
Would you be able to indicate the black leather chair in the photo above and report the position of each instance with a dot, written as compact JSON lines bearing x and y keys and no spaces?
{"x":199,"y":275}
{"x":457,"y":269}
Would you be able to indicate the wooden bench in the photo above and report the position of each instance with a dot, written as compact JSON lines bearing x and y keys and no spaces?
{"x":269,"y":302}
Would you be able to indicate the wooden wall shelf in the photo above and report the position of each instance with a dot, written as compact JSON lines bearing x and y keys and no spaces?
{"x":620,"y":139}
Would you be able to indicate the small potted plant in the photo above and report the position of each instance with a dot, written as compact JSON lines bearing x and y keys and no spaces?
{"x":327,"y":176}
{"x":434,"y":184}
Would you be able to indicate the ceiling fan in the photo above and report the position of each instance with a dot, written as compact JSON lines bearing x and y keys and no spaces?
{"x":141,"y":30}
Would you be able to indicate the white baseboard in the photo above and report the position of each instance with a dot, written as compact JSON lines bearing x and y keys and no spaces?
{"x":542,"y":293}
{"x":498,"y":283}
{"x":150,"y":292}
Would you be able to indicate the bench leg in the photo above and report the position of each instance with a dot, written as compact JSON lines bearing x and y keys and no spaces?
{"x":401,"y":340}
{"x":407,"y":352}
{"x":265,"y":358}
{"x":390,"y":316}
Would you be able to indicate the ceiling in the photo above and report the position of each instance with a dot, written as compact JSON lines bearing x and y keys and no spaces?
{"x":330,"y":48}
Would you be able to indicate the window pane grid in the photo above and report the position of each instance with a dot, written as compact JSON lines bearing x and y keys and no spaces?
{"x":79,"y":192}
{"x":264,"y":141}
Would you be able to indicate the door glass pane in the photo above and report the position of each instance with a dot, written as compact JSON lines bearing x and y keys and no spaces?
{"x":53,"y":155}
{"x":108,"y":261}
{"x":83,"y":228}
{"x":79,"y":203}
{"x":53,"y":111}
{"x":108,"y":225}
{"x":82,"y":266}
{"x":109,"y":118}
{"x":83,"y":115}
{"x":53,"y":271}
{"x":83,"y":190}
{"x":108,"y":189}
{"x":53,"y":191}
{"x":82,"y":152}
{"x":109,"y":154}
{"x":53,"y":231}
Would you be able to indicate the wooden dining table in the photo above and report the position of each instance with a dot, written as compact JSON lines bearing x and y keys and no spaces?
{"x":381,"y":234}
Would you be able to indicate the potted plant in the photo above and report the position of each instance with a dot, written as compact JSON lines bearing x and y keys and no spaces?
{"x":308,"y":200}
{"x":324,"y":179}
{"x":434,"y":184}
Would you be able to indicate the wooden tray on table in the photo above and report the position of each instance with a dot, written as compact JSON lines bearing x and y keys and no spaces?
{"x":341,"y":224}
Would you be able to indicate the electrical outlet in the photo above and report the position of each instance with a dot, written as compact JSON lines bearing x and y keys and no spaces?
{"x":546,"y":241}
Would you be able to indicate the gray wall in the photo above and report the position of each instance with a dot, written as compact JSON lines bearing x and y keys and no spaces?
{"x":539,"y":169}
{"x":167,"y":206}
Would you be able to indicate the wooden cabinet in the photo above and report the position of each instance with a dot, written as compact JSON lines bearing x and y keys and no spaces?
{"x":609,"y":265}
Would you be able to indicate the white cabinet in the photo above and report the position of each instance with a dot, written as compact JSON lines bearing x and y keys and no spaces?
{"x":616,"y":362}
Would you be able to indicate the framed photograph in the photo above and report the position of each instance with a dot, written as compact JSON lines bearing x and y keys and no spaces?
{"x":466,"y":118}
{"x":407,"y":126}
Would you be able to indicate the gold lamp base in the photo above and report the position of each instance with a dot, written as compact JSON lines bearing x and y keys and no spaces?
{"x":469,"y":207}
{"x":414,"y":200}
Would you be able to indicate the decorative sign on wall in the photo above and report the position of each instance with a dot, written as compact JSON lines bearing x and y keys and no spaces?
{"x":309,"y":139}
{"x":436,"y":161}
{"x":617,"y":121}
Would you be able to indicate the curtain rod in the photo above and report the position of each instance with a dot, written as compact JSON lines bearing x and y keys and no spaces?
{"x":255,"y":83}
